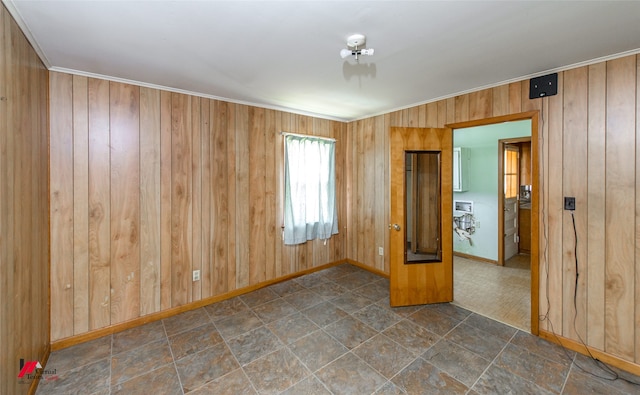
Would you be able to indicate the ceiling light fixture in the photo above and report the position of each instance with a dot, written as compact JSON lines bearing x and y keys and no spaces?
{"x":354,"y":42}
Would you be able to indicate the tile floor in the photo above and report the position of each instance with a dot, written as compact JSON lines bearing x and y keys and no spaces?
{"x":330,"y":332}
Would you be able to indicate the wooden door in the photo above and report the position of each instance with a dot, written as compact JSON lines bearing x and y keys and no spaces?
{"x":510,"y":193}
{"x":428,"y":280}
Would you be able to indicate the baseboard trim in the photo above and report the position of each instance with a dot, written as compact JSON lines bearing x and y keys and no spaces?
{"x":576,"y":346}
{"x":43,"y":361}
{"x":475,"y":258}
{"x":368,"y":268}
{"x":109,"y":330}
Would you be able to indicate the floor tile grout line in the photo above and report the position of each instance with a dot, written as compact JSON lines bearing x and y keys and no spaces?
{"x":388,"y":379}
{"x":111,"y":361}
{"x":240,"y":366}
{"x":173,"y":358}
{"x":311,"y":372}
{"x":566,"y":378}
{"x":491,"y":363}
{"x":571,"y":361}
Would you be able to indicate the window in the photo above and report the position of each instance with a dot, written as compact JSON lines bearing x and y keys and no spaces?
{"x":309,"y":189}
{"x":511,"y":164}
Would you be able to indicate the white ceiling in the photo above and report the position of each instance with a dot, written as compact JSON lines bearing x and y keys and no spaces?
{"x":285,"y":54}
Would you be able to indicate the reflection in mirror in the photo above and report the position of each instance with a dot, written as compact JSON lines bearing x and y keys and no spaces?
{"x":423,"y":241}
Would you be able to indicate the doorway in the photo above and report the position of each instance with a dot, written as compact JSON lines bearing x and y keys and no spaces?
{"x":492,"y":277}
{"x":514,"y":198}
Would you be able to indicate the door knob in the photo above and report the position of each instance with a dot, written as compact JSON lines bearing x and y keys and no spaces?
{"x":396,"y":227}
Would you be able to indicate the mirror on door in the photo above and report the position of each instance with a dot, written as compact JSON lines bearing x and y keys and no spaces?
{"x":423,"y":241}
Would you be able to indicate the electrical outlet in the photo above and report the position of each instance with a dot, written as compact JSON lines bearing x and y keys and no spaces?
{"x":380,"y":251}
{"x":196,"y":275}
{"x":569,"y":203}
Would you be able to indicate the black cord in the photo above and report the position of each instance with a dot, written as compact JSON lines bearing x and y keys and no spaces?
{"x":545,"y":316}
{"x":606,"y":368}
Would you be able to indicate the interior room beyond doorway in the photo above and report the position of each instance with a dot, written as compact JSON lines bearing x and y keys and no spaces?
{"x":480,"y":283}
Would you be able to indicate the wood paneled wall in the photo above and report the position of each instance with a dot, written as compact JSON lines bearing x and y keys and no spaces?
{"x":24,"y":208}
{"x":589,"y":140}
{"x":149,"y":185}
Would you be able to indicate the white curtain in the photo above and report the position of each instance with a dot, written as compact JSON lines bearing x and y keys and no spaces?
{"x":310,"y":189}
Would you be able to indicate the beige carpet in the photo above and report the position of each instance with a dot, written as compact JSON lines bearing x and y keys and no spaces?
{"x":499,"y":292}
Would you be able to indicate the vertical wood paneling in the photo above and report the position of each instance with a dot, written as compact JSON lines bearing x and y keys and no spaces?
{"x":125,"y":201}
{"x":442,"y":113}
{"x":596,"y":205}
{"x":256,"y":193}
{"x":422,"y":115}
{"x":242,"y":235}
{"x":637,"y":241}
{"x":279,"y":190}
{"x":413,"y":116}
{"x":340,"y":131}
{"x":480,"y":104}
{"x":166,"y":193}
{"x":515,"y":97}
{"x":271,"y":193}
{"x":574,"y":146}
{"x":220,"y":200}
{"x":431,"y":115}
{"x":543,"y":204}
{"x":637,"y":228}
{"x":80,"y":205}
{"x":461,"y":112}
{"x":6,"y":289}
{"x":99,"y":206}
{"x":450,"y":111}
{"x":285,"y":251}
{"x":381,"y":147}
{"x":196,"y":194}
{"x":171,"y":183}
{"x":370,"y":253}
{"x":500,"y":100}
{"x":349,"y":193}
{"x":554,"y":205}
{"x":24,"y":206}
{"x":620,"y":202}
{"x":181,"y":172}
{"x":232,"y":257}
{"x":150,"y":196}
{"x":61,"y":159}
{"x":362,"y":243}
{"x":207,"y":257}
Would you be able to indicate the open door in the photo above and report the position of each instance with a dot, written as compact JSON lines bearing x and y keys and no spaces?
{"x":421,"y":238}
{"x":511,"y":176}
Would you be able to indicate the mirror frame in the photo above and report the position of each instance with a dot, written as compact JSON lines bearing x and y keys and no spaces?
{"x":423,"y":257}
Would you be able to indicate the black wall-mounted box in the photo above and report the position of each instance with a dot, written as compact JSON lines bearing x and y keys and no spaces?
{"x":547,"y":85}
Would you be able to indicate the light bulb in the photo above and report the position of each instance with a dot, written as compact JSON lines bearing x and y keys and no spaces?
{"x":367,"y":51}
{"x":345,"y":52}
